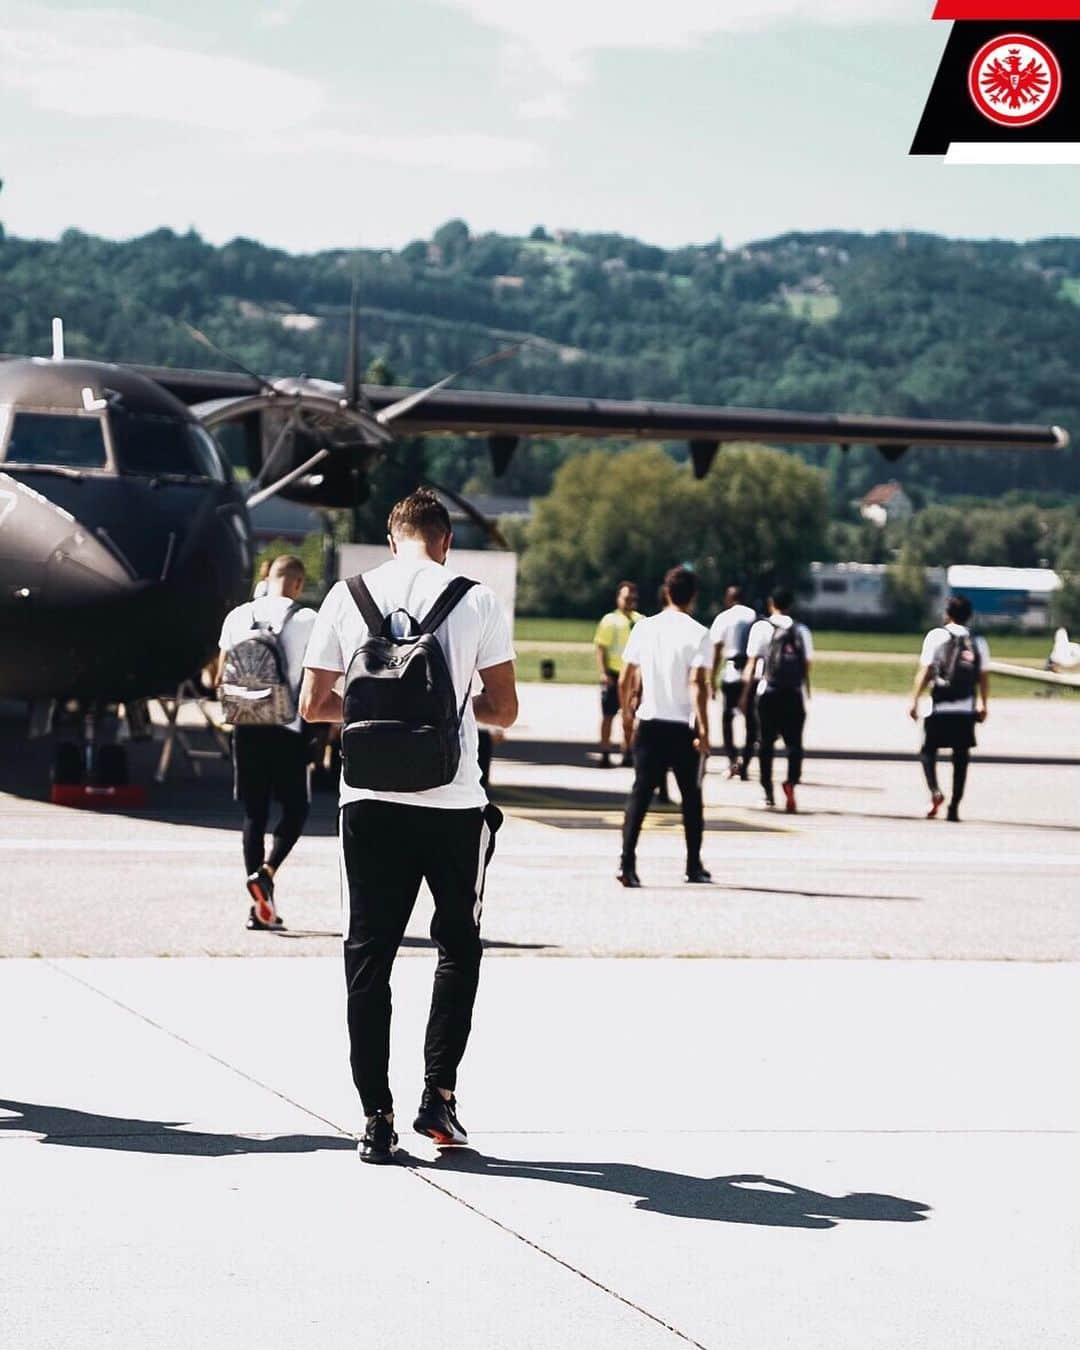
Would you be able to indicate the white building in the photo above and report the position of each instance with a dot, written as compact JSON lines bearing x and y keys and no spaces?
{"x":856,"y":592}
{"x":1007,"y":596}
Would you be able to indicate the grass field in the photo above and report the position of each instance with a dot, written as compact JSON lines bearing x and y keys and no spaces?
{"x":547,"y":639}
{"x":1005,"y":647}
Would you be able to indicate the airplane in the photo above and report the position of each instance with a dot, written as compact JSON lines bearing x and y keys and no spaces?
{"x":124,"y":537}
{"x":1062,"y":665}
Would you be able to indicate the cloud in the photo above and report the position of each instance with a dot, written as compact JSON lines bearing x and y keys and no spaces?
{"x":561,"y":35}
{"x":281,"y":14}
{"x":551,"y":106}
{"x":114,"y":63}
{"x":460,"y":152}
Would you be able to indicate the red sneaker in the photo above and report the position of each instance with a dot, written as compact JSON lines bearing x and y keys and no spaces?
{"x":789,"y":798}
{"x":935,"y":805}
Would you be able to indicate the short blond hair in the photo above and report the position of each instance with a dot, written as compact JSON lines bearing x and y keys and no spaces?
{"x":289,"y":566}
{"x":421,"y":514}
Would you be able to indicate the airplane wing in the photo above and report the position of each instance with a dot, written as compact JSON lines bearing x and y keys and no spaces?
{"x":1065,"y":679}
{"x":507,"y":418}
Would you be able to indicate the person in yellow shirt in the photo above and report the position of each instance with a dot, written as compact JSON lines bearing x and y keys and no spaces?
{"x":612,"y":634}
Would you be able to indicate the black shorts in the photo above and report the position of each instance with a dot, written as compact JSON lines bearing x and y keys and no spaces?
{"x":271,"y":761}
{"x":949,"y":731}
{"x":609,"y":697}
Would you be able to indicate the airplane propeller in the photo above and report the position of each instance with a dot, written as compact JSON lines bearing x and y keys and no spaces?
{"x":338,"y":421}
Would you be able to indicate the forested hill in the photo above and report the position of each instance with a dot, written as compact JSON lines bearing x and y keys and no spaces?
{"x":890,"y":323}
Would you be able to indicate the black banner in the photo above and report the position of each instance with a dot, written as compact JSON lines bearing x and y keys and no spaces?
{"x":1049,"y":98}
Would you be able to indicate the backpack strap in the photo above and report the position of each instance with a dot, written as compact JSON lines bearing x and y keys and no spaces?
{"x":369,"y":610}
{"x":446,"y":603}
{"x":294,"y":608}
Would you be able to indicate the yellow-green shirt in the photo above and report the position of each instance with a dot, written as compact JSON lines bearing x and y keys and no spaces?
{"x":613,"y":633}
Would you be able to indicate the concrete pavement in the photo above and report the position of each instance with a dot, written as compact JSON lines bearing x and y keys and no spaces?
{"x":862,"y":1133}
{"x":752,"y":1154}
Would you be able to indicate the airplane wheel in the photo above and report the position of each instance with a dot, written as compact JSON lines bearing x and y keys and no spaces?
{"x":110,"y":766}
{"x":67,"y":764}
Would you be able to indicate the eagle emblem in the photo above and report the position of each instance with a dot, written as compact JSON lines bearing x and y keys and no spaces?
{"x":1014,"y":80}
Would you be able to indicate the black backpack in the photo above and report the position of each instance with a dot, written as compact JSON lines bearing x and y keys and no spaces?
{"x":785,"y":661}
{"x":401,"y":719}
{"x":956,"y":669}
{"x":255,"y":689}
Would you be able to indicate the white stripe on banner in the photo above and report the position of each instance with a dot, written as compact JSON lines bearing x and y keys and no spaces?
{"x":485,"y":840}
{"x":1002,"y":152}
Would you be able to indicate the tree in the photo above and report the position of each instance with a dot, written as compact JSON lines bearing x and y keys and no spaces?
{"x":905,"y":589}
{"x":1065,"y":605}
{"x":758,"y":518}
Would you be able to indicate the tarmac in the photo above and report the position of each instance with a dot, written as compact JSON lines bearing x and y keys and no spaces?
{"x":850,"y":1121}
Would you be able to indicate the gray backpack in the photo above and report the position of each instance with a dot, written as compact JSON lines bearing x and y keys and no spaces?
{"x":255,"y":689}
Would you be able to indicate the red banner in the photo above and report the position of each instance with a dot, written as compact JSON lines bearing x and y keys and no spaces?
{"x":1012,"y":11}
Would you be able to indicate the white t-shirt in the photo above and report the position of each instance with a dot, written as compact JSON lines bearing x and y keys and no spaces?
{"x":725,"y":632}
{"x":761,"y":636}
{"x":474,"y":637}
{"x":272,"y":609}
{"x":932,"y":645}
{"x":666,"y":648}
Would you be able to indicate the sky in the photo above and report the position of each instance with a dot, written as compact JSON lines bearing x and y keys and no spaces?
{"x":314,"y":124}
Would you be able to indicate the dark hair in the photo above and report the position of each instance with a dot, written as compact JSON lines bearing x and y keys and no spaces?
{"x":733,"y":592}
{"x":783,"y":598}
{"x":958,"y":608}
{"x":680,"y":585}
{"x":420,"y":513}
{"x":625,"y":586}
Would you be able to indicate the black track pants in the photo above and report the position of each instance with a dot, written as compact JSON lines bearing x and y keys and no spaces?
{"x":271,"y":764}
{"x":781,"y":712}
{"x":658,"y":747}
{"x":961,"y":758}
{"x":387,"y":850}
{"x":732,"y":692}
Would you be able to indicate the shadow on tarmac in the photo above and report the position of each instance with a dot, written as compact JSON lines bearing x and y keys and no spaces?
{"x":85,"y":1129}
{"x":745,"y":1198}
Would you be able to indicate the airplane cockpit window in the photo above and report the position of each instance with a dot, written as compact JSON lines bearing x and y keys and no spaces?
{"x":163,"y":446}
{"x":56,"y":441}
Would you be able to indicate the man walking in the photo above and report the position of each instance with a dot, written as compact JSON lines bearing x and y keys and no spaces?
{"x":954,"y":666}
{"x":270,"y":758}
{"x":729,"y":635}
{"x":612,"y":634}
{"x":778,"y":656}
{"x":665,"y":682}
{"x":393,"y":838}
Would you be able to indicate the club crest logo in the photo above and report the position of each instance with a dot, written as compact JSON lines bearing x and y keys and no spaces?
{"x":1014,"y":80}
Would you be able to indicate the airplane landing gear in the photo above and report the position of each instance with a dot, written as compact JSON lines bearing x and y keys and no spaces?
{"x":94,"y":768}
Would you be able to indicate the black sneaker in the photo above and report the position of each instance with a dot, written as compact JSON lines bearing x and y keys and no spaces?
{"x":379,"y":1141}
{"x":257,"y":926}
{"x":953,"y":813}
{"x":627,"y":876}
{"x":437,"y":1118}
{"x":261,"y":889}
{"x":770,"y":800}
{"x":698,"y":875}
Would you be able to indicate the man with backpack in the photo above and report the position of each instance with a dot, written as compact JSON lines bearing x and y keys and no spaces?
{"x":729,"y":635}
{"x":259,"y":671}
{"x":778,"y":656}
{"x":409,"y":638}
{"x":953,"y":664}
